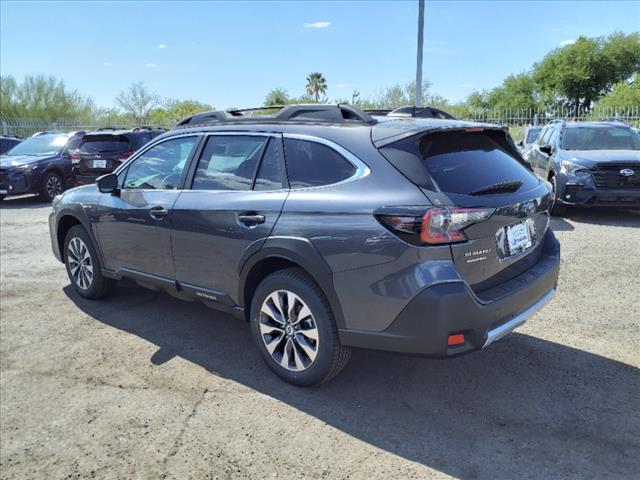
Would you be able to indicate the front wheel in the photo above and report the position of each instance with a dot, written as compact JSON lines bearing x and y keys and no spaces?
{"x":294,"y":330}
{"x":83,"y":265}
{"x":52,"y":185}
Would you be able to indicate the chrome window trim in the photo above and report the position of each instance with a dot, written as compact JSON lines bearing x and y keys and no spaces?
{"x":362,"y":169}
{"x":150,"y":146}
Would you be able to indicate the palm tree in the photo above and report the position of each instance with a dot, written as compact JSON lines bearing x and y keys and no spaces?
{"x":277,"y":96}
{"x":316,"y":84}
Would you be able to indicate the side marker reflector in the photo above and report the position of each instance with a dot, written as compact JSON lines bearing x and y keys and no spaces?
{"x":457,"y":339}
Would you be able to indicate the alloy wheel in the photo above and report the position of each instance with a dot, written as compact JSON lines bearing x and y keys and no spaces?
{"x":80,"y":263}
{"x":54,"y":186}
{"x":289,"y":331}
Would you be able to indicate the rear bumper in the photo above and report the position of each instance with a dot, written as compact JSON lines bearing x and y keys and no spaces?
{"x":86,"y":179}
{"x":438,"y":311}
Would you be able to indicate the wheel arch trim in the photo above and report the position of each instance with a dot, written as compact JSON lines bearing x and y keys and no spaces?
{"x":301,"y":252}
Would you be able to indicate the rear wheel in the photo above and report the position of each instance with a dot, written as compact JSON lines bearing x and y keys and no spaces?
{"x":294,"y":330}
{"x":83,"y":265}
{"x":52,"y":185}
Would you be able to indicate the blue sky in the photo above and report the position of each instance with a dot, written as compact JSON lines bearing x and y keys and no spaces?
{"x":231,"y":53}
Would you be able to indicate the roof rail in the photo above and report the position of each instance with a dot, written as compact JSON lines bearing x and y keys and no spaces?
{"x":412,"y":112}
{"x":104,"y":129}
{"x":303,"y":113}
{"x":146,"y":127}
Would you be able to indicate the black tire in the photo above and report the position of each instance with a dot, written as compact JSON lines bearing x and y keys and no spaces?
{"x":99,"y":286}
{"x":52,"y":185}
{"x":331,"y":357}
{"x":559,"y":208}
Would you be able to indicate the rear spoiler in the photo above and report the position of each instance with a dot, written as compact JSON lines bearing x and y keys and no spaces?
{"x":386,"y":133}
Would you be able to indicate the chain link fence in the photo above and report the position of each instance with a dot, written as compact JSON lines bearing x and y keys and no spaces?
{"x":515,"y":119}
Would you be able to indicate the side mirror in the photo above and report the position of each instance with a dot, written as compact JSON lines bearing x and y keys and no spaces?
{"x":546,"y":149}
{"x":108,"y":183}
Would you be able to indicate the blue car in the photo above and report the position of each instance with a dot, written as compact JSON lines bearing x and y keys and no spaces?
{"x":40,"y":164}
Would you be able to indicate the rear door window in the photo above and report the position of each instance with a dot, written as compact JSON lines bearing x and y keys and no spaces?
{"x":104,"y":144}
{"x":229,"y":162}
{"x":312,"y":164}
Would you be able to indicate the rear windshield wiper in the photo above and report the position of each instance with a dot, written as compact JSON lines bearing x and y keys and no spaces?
{"x":500,"y":187}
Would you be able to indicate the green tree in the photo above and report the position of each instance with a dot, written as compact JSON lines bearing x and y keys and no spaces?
{"x":623,"y":95}
{"x":517,"y":92}
{"x":138,"y":102}
{"x":316,"y":85}
{"x":277,"y":96}
{"x":577,"y":75}
{"x":44,"y":97}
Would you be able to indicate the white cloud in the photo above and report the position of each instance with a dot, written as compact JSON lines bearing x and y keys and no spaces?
{"x":564,"y":43}
{"x":317,"y":25}
{"x":151,"y":65}
{"x":343,"y":85}
{"x":107,"y":64}
{"x":162,"y":45}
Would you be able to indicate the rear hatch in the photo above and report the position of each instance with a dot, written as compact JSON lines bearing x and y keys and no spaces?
{"x":475,"y":175}
{"x":101,"y":153}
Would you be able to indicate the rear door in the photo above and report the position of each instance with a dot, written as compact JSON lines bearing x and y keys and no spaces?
{"x":237,"y":192}
{"x":134,"y":226}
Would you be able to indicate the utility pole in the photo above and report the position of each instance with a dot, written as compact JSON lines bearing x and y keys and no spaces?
{"x":418,"y":102}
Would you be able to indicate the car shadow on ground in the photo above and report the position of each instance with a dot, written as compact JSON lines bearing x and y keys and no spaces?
{"x":526,"y":407}
{"x":613,"y":217}
{"x":23,"y":201}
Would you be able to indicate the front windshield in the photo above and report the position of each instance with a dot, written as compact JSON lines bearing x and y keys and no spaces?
{"x":40,"y":145}
{"x":600,"y":138}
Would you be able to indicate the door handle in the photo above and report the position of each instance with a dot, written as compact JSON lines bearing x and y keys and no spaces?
{"x":251,"y":220}
{"x":158,"y":213}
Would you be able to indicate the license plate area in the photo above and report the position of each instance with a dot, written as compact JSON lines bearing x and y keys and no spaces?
{"x":519,"y":237}
{"x":99,"y":164}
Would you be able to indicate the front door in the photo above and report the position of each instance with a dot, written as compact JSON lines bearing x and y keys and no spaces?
{"x":134,"y":225}
{"x":238,"y":189}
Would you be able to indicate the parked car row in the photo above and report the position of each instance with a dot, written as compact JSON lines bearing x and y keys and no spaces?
{"x":48,"y":163}
{"x":587,"y":163}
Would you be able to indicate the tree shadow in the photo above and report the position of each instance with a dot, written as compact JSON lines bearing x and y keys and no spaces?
{"x":526,"y":407}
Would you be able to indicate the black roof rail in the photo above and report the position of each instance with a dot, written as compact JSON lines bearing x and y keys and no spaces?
{"x":306,"y":113}
{"x":146,"y":127}
{"x":104,"y":129}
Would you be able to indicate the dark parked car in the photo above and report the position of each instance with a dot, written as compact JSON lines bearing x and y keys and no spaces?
{"x":7,"y":143}
{"x":530,"y":134}
{"x":326,"y":230}
{"x":104,"y":150}
{"x":589,"y":163}
{"x":40,"y":164}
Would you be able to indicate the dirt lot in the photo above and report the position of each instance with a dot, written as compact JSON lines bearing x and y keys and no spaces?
{"x":145,"y":386}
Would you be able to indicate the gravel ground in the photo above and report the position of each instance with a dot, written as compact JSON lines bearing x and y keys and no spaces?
{"x":145,"y":386}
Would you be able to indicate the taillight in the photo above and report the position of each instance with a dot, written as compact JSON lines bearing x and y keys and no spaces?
{"x":437,"y":226}
{"x":126,"y":155}
{"x":75,"y":157}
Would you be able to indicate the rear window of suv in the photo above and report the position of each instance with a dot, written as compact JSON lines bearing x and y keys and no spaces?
{"x":104,"y":143}
{"x":459,"y":162}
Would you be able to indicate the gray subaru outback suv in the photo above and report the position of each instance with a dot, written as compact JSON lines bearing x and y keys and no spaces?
{"x":326,"y":229}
